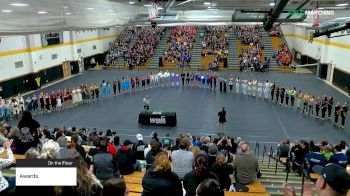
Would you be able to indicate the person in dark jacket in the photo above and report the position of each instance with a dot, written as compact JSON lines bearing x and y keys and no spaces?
{"x":155,"y":148}
{"x":338,"y":157}
{"x":27,"y":122}
{"x":315,"y":158}
{"x":159,"y":180}
{"x":209,"y":187}
{"x":223,"y":170}
{"x":105,"y":165}
{"x":126,"y":158}
{"x":139,"y":147}
{"x":199,"y":173}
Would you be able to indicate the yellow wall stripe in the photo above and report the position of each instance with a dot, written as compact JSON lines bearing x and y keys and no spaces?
{"x":27,"y":50}
{"x":336,"y":44}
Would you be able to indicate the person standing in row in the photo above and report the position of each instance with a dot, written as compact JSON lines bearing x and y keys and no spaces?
{"x":306,"y":103}
{"x":282,"y":91}
{"x":311,"y":105}
{"x":330,"y":106}
{"x":277,"y":94}
{"x":299,"y":97}
{"x":272,"y":89}
{"x":324,"y":107}
{"x":266,"y":89}
{"x":260,"y":86}
{"x":292,"y":96}
{"x":343,"y":113}
{"x":230,"y":83}
{"x":254,"y":87}
{"x":237,"y":84}
{"x":287,"y":94}
{"x":249,"y":88}
{"x":337,"y":109}
{"x":244,"y":87}
{"x":318,"y":106}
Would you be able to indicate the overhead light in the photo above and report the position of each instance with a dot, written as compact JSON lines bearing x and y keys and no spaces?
{"x":65,"y":7}
{"x":209,"y":7}
{"x":342,"y":4}
{"x":111,"y":10}
{"x":6,"y":11}
{"x":42,"y":12}
{"x":147,"y":5}
{"x":68,"y":13}
{"x":159,"y":8}
{"x":206,"y":3}
{"x":90,"y":8}
{"x":321,"y":8}
{"x":131,"y":2}
{"x":272,"y":4}
{"x":19,"y":4}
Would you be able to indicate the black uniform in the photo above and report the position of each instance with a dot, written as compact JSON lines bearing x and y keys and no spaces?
{"x":324,"y":107}
{"x":343,"y":112}
{"x":336,"y":113}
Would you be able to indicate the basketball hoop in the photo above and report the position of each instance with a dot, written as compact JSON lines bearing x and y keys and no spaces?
{"x":153,"y":11}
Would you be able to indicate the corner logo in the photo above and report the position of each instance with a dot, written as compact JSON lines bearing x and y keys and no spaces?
{"x":312,"y":12}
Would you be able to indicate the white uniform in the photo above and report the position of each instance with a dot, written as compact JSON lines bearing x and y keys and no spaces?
{"x":260,"y":85}
{"x":237,"y":85}
{"x":266,"y":90}
{"x":254,"y":87}
{"x":249,"y":88}
{"x":244,"y":87}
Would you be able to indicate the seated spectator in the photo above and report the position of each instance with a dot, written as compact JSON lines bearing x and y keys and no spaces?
{"x":14,"y":136}
{"x":6,"y":183}
{"x":338,"y":157}
{"x":246,"y":166}
{"x":139,"y":147}
{"x":197,"y":175}
{"x":64,"y":152}
{"x":283,"y":149}
{"x":104,"y":164}
{"x":182,"y":159}
{"x":115,"y":187}
{"x":127,"y":158}
{"x":87,"y":183}
{"x":209,"y":187}
{"x":155,"y":149}
{"x":74,"y":145}
{"x":315,"y":158}
{"x":327,"y":152}
{"x":32,"y":153}
{"x":225,"y":147}
{"x":3,"y":133}
{"x":159,"y":180}
{"x":196,"y":150}
{"x":167,"y":141}
{"x":49,"y":150}
{"x":93,"y":151}
{"x":111,"y":148}
{"x":205,"y":144}
{"x":299,"y":151}
{"x":176,"y":146}
{"x":333,"y":180}
{"x":212,"y":153}
{"x":223,"y":170}
{"x":234,"y":146}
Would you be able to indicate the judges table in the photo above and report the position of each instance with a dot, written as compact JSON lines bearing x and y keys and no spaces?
{"x":157,"y":118}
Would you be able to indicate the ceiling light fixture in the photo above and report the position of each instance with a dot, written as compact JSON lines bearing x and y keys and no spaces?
{"x":342,"y":4}
{"x":90,"y":8}
{"x":206,"y":3}
{"x":42,"y":12}
{"x":209,"y":7}
{"x":159,"y":8}
{"x":321,"y":8}
{"x":65,"y":7}
{"x":147,"y":5}
{"x":131,"y":2}
{"x":19,"y":4}
{"x":6,"y":11}
{"x":272,"y":4}
{"x":68,"y":13}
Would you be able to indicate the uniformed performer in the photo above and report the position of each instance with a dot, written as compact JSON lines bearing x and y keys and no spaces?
{"x":254,"y":87}
{"x":343,"y":112}
{"x":336,"y":113}
{"x":146,"y":102}
{"x":238,"y":81}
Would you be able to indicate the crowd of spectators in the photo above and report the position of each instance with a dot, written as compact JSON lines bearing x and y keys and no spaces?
{"x":120,"y":46}
{"x":215,"y":43}
{"x":180,"y":44}
{"x":306,"y":154}
{"x":283,"y":55}
{"x":250,"y":60}
{"x":168,"y":161}
{"x":146,"y":39}
{"x":248,"y":35}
